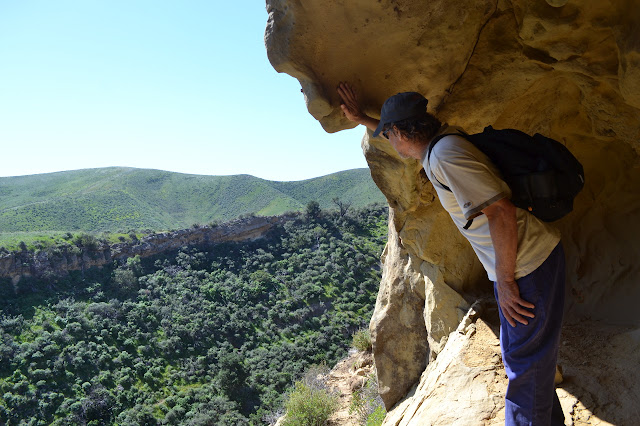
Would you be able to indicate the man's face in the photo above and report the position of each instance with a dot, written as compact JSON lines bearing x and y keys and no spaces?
{"x":401,"y":144}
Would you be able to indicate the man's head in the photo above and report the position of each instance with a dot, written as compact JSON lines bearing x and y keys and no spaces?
{"x":405,"y":122}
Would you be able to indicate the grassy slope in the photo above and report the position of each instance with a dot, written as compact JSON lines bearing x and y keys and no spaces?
{"x":112,"y":199}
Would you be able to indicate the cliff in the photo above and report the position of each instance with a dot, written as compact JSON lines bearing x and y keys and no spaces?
{"x":60,"y":261}
{"x":566,"y":69}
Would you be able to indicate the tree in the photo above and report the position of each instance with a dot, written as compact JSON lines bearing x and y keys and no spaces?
{"x":221,"y":331}
{"x":232,"y":374}
{"x":313,"y":210}
{"x":343,"y":206}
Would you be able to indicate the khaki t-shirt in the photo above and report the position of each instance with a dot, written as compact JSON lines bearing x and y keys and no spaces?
{"x":475,"y":184}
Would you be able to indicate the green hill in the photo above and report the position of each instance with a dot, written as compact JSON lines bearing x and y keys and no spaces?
{"x":117,"y":198}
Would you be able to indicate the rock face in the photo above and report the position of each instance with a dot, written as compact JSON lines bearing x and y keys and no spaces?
{"x":400,"y":333}
{"x":41,"y":263}
{"x":463,"y":385}
{"x":566,"y":69}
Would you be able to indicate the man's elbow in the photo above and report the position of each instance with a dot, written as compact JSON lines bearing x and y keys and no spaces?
{"x":502,"y":208}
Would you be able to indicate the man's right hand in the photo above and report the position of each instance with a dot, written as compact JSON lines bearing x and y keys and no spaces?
{"x":351,"y":107}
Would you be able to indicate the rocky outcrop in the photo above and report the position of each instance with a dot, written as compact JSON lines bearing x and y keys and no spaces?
{"x":466,"y":383}
{"x":567,"y":69}
{"x":61,"y":260}
{"x":400,"y":332}
{"x":463,"y":385}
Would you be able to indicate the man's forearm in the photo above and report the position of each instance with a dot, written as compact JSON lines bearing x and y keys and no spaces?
{"x":503,"y":227}
{"x":370,"y":122}
{"x":504,"y":236}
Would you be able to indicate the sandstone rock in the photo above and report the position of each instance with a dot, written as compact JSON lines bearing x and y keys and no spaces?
{"x":601,"y":375}
{"x":343,"y":380}
{"x":444,"y":308}
{"x":463,"y":386}
{"x":357,"y":383}
{"x":22,"y":264}
{"x":363,"y":361}
{"x":558,"y":378}
{"x":466,"y":383}
{"x":398,"y":333}
{"x":567,"y":69}
{"x":306,"y":41}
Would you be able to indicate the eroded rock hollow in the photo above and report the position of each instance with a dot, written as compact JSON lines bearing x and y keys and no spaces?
{"x":566,"y":69}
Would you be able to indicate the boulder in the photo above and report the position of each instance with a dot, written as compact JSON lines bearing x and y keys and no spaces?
{"x":465,"y":385}
{"x":398,"y":331}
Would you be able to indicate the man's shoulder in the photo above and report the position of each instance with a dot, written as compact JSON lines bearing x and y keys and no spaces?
{"x":455,"y":149}
{"x":451,"y":141}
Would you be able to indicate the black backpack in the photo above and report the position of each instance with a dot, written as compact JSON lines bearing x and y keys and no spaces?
{"x":543,"y":175}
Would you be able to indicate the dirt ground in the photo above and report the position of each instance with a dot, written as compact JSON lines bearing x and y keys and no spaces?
{"x":601,"y":369}
{"x":347,"y":376}
{"x":600,"y":366}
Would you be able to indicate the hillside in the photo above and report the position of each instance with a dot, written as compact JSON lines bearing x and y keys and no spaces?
{"x":116,"y":198}
{"x":207,"y":334}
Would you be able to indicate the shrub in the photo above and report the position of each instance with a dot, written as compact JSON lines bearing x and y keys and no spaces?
{"x":362,"y":340}
{"x":308,"y":406}
{"x":86,"y":241}
{"x":313,"y":210}
{"x":125,"y":278}
{"x":311,"y":402}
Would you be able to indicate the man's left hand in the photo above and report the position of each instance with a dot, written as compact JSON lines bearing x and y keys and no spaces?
{"x":513,"y":307}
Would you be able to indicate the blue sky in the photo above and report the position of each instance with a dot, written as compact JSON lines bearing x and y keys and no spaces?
{"x":179,"y":86}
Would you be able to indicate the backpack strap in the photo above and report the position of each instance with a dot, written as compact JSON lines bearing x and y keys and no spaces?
{"x":431,"y":145}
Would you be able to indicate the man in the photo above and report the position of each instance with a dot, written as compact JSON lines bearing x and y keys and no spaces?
{"x":522,"y":255}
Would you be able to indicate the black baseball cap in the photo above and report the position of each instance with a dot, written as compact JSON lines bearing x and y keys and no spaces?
{"x":401,"y":107}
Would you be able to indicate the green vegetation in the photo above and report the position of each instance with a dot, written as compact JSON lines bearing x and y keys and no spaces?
{"x":361,"y":340}
{"x":117,"y":199}
{"x":201,"y":336}
{"x":367,"y":405}
{"x":33,"y":241}
{"x":310,"y":403}
{"x":377,"y":417}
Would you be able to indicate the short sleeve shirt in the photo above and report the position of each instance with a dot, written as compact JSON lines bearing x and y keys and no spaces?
{"x":476,"y":183}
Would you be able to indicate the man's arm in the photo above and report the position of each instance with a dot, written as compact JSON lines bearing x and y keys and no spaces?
{"x":504,"y":235}
{"x":351,"y":107}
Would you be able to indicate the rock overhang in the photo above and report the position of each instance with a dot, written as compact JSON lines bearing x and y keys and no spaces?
{"x":565,"y":69}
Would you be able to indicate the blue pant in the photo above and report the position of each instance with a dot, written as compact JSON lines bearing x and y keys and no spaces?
{"x":530,"y":352}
